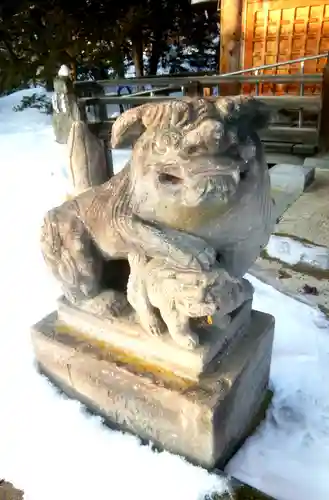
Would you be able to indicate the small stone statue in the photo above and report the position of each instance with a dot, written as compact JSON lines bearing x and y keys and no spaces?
{"x":183,"y":294}
{"x":175,"y":231}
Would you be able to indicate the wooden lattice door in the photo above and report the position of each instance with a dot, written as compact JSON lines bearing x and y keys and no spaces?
{"x":281,"y":30}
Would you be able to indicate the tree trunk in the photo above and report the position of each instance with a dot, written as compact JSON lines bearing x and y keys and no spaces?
{"x":119,"y":65}
{"x":49,"y":83}
{"x":137,"y":55}
{"x":155,"y":56}
{"x":120,"y":68}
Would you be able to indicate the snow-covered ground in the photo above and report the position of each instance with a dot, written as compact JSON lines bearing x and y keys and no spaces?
{"x":50,"y":447}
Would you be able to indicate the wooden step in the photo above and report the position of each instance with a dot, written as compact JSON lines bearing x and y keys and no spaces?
{"x":305,"y":135}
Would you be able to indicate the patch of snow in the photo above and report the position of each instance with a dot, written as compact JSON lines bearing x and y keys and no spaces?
{"x":294,"y":252}
{"x":120,"y":158}
{"x":52,"y":449}
{"x":64,"y":71}
{"x":288,"y":456}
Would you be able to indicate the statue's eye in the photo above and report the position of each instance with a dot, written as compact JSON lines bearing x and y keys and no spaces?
{"x":190,"y":150}
{"x":169,"y":179}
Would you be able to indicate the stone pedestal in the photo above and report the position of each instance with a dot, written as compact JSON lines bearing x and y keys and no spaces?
{"x":126,"y":335}
{"x":9,"y":492}
{"x":204,"y":420}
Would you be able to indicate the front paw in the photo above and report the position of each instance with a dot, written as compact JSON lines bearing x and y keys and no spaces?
{"x":196,"y":258}
{"x":206,"y":258}
{"x":154,"y":326}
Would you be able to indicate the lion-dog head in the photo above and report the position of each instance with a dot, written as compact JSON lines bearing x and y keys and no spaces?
{"x":192,"y":152}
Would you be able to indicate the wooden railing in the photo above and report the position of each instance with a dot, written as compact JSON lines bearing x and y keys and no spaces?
{"x":300,"y":122}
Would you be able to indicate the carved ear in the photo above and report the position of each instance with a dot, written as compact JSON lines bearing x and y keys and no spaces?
{"x":244,"y":112}
{"x":127,"y":127}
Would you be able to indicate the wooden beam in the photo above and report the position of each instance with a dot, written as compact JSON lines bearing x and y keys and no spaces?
{"x":230,"y":42}
{"x":305,"y":135}
{"x":205,"y":80}
{"x":273,"y":134}
{"x":287,"y":102}
{"x":324,"y":118}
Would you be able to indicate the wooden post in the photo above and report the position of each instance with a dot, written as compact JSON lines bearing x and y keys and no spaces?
{"x":324,"y":117}
{"x":100,"y":114}
{"x":207,"y":92}
{"x":230,"y":42}
{"x":193,"y":89}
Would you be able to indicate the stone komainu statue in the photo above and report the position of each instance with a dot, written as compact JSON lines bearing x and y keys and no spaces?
{"x":195,"y":195}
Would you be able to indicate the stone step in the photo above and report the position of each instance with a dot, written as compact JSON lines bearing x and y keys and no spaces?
{"x":321,"y":162}
{"x":288,"y":182}
{"x":276,"y":158}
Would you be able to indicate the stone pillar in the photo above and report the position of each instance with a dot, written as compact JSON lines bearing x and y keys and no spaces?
{"x":88,"y":163}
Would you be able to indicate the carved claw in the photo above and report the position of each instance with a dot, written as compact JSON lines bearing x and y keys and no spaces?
{"x":193,"y":258}
{"x":179,"y":248}
{"x":153,"y":325}
{"x":206,"y":258}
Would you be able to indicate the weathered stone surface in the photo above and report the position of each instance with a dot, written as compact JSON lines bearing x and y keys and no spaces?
{"x":87,"y":158}
{"x":288,"y":182}
{"x":165,"y":244}
{"x":65,"y":108}
{"x":204,"y":421}
{"x":194,"y":200}
{"x":291,"y":178}
{"x":126,"y":335}
{"x":321,"y":161}
{"x":9,"y":492}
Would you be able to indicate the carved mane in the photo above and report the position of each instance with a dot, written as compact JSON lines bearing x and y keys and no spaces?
{"x":244,"y":112}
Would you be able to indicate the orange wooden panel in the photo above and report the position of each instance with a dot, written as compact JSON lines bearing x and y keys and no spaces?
{"x":279,"y":30}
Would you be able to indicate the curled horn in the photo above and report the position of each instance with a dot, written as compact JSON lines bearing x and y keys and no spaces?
{"x":246,"y":113}
{"x":133,"y":122}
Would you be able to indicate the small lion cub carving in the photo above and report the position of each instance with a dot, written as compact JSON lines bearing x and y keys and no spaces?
{"x":182,"y":294}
